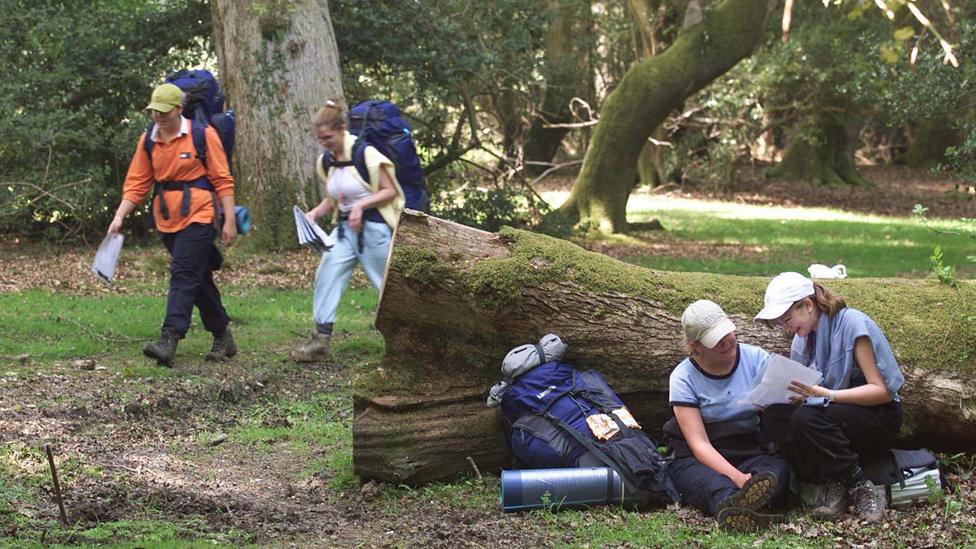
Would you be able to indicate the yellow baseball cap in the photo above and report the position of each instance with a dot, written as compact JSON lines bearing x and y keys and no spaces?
{"x":165,"y":97}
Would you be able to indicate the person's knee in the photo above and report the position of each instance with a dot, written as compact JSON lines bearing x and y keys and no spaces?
{"x":806,"y":418}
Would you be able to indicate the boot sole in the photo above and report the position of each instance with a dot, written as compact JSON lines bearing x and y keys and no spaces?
{"x":755,"y":494}
{"x":739,"y":519}
{"x":309,"y":359}
{"x":159,"y":360}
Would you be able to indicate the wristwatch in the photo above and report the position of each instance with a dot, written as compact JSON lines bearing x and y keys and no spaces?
{"x":831,"y":395}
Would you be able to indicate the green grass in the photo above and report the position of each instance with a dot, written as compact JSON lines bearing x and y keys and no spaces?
{"x":114,"y":327}
{"x":608,"y":526}
{"x":318,"y":431}
{"x":763,"y":240}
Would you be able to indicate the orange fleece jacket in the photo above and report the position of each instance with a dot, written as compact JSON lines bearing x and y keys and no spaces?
{"x":177,"y":161}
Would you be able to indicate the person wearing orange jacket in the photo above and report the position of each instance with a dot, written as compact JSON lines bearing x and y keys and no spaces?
{"x":186,"y":192}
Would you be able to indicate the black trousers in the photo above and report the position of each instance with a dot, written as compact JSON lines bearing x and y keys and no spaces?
{"x":825,"y":444}
{"x":703,"y":488}
{"x":194,"y":259}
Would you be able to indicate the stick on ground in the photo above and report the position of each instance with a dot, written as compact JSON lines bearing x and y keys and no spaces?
{"x":57,"y":485}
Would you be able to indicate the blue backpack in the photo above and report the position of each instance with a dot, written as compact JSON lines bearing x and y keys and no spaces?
{"x":204,"y":107}
{"x":380,"y":124}
{"x":545,"y":410}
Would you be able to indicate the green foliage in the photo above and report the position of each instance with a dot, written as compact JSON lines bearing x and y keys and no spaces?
{"x":77,"y":76}
{"x":487,"y":209}
{"x":945,"y":273}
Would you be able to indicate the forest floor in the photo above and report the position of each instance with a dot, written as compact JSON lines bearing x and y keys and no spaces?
{"x":258,"y":450}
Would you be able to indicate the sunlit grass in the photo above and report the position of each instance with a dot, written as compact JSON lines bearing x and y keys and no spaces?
{"x":748,"y":239}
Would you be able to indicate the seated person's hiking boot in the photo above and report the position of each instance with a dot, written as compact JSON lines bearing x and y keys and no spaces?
{"x":223,"y":347}
{"x":870,"y":505}
{"x":315,"y":348}
{"x":833,"y":503}
{"x":755,"y":494}
{"x":162,"y":350}
{"x":738,"y":512}
{"x":740,"y":519}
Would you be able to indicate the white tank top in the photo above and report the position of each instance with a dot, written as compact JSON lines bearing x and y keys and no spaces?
{"x":345,"y":187}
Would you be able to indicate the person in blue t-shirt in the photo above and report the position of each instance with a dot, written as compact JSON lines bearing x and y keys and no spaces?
{"x":854,"y":414}
{"x":721,"y":465}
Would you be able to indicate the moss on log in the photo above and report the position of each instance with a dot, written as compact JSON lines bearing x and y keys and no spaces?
{"x":456,"y":299}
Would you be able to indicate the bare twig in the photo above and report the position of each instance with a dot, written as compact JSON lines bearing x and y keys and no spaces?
{"x":477,"y":473}
{"x":552,"y":169}
{"x":101,"y":336}
{"x":57,"y":485}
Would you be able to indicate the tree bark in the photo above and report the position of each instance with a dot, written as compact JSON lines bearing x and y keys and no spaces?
{"x":456,"y":299}
{"x":821,"y":153}
{"x":278,"y":65}
{"x":566,"y":64}
{"x":707,"y":48}
{"x":930,"y":139}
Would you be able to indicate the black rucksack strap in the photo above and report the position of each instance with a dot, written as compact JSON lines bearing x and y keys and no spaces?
{"x":185,"y":186}
{"x":358,"y":160}
{"x":592,"y":448}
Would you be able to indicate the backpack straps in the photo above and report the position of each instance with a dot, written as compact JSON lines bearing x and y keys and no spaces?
{"x":588,"y":444}
{"x":358,"y":160}
{"x":198,"y":132}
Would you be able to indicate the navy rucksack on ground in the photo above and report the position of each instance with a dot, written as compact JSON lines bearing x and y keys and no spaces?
{"x":204,"y":106}
{"x":547,"y":412}
{"x":380,"y":124}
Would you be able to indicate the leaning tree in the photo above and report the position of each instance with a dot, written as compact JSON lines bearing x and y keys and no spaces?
{"x":278,"y":65}
{"x":711,"y":42}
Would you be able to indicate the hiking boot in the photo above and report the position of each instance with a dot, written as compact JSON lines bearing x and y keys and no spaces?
{"x":870,"y":505}
{"x":755,"y":494}
{"x":834,"y":501}
{"x":223,"y":347}
{"x":740,"y":519}
{"x":314,"y":349}
{"x":163,"y":350}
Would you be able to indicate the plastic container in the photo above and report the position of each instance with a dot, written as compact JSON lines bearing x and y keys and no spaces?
{"x":570,"y":488}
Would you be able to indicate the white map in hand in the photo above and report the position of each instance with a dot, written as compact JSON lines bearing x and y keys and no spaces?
{"x":774,"y":386}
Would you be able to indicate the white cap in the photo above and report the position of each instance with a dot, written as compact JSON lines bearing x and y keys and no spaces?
{"x":704,"y":321}
{"x":783,"y":291}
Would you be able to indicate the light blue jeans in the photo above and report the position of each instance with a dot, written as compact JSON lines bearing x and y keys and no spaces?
{"x":338,"y":263}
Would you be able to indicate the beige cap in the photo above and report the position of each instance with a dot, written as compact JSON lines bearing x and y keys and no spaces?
{"x":704,"y":321}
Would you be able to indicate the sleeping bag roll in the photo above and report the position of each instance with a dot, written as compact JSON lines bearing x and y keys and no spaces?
{"x":575,"y":487}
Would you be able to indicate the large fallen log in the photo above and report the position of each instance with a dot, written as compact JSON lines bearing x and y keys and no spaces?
{"x":456,"y":299}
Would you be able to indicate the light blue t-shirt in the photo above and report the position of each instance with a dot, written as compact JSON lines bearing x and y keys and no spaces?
{"x":832,"y":351}
{"x":720,"y":398}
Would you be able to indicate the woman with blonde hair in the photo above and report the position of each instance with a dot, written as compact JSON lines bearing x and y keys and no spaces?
{"x":721,"y":465}
{"x":364,"y":214}
{"x":854,"y":414}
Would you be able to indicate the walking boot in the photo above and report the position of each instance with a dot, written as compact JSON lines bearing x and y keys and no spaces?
{"x":223,"y":347}
{"x":740,"y":519}
{"x":834,"y":501}
{"x":314,"y":349}
{"x":163,"y":350}
{"x":869,"y":504}
{"x":755,"y":494}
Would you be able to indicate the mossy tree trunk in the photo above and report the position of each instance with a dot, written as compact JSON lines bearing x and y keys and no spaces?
{"x":930,"y":139}
{"x":568,"y":45}
{"x":278,"y":65}
{"x":821,"y":152}
{"x":456,"y":299}
{"x":710,"y":44}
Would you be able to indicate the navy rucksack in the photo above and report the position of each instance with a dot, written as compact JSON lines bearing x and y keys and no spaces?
{"x":204,"y":106}
{"x":380,"y":124}
{"x":546,"y":410}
